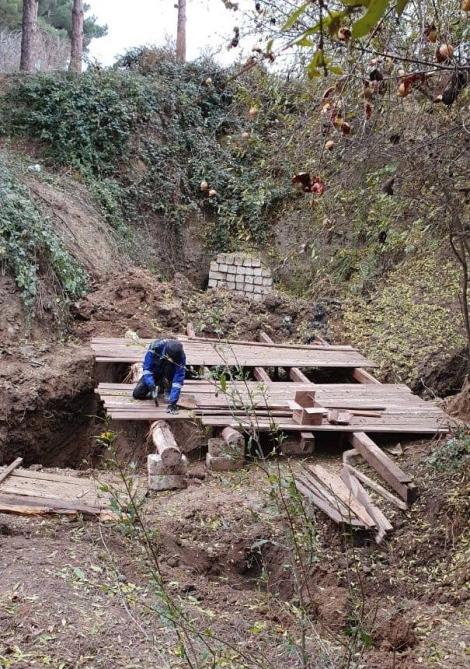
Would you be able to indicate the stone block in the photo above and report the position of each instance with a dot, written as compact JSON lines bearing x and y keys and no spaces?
{"x":230,"y":285}
{"x":255,"y":262}
{"x":257,"y":271}
{"x":267,"y":282}
{"x":156,"y":467}
{"x":238,"y":260}
{"x":249,"y":287}
{"x":258,"y":281}
{"x":247,"y":261}
{"x":223,"y":464}
{"x":214,"y":266}
{"x":212,"y":283}
{"x":223,"y":267}
{"x":240,"y":269}
{"x":231,"y":269}
{"x":221,"y":258}
{"x":167,"y":482}
{"x":258,"y":290}
{"x":249,"y":279}
{"x":216,"y":275}
{"x":218,"y":448}
{"x":265,"y":272}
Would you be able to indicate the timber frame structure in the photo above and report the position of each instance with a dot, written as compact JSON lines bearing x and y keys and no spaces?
{"x":233,"y":385}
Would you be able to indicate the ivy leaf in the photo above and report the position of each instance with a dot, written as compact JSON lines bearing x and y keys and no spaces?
{"x":296,"y":14}
{"x":375,"y":11}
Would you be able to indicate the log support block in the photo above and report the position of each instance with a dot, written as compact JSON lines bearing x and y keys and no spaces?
{"x":223,"y":464}
{"x":300,"y":447}
{"x":156,"y":467}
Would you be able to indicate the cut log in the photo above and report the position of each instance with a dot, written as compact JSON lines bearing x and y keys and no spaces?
{"x":6,"y":472}
{"x":376,"y":487}
{"x":165,"y":443}
{"x":383,"y":465}
{"x":233,"y":439}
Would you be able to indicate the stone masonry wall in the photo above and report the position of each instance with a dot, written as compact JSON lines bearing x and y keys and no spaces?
{"x":240,"y":273}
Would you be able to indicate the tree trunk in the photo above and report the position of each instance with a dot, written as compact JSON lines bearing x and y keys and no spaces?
{"x":181,"y":32}
{"x":28,"y":27}
{"x":76,"y":50}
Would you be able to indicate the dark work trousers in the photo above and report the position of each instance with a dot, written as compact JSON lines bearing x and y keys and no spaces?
{"x":163,"y":381}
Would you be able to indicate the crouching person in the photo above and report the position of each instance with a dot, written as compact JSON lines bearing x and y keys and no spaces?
{"x":164,"y":372}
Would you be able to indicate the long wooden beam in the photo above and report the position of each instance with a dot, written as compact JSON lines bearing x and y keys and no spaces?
{"x":295,"y":374}
{"x":378,"y":460}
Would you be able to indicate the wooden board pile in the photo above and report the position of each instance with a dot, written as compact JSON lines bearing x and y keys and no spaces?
{"x":343,"y":499}
{"x":27,"y":492}
{"x":386,"y":408}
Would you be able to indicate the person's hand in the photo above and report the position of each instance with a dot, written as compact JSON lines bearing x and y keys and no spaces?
{"x":172,"y":408}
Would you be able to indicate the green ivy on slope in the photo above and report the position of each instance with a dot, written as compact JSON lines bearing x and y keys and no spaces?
{"x":145,"y":138}
{"x":28,"y":241}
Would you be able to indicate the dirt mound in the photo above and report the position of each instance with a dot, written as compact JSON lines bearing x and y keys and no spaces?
{"x":46,"y":401}
{"x":141,"y":301}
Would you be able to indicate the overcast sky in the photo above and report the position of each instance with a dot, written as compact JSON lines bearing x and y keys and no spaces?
{"x":137,"y":22}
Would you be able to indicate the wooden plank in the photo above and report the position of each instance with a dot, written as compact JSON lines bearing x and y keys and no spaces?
{"x":46,"y":476}
{"x":261,"y":374}
{"x":373,"y":485}
{"x":378,"y":460}
{"x":363,"y":376}
{"x":318,"y":489}
{"x":6,"y":472}
{"x":359,"y":374}
{"x":322,"y":504}
{"x":381,"y":521}
{"x":19,"y":504}
{"x":295,"y":374}
{"x":338,"y":488}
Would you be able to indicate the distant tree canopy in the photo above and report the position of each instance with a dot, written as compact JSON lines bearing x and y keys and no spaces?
{"x":54,"y":13}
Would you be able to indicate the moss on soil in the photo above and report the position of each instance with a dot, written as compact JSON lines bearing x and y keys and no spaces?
{"x":415,"y":316}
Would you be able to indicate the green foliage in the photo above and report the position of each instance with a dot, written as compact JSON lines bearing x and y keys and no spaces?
{"x":453,"y":454}
{"x":27,"y":242}
{"x":145,"y":135}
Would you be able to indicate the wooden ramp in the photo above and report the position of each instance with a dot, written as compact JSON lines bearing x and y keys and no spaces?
{"x":210,"y":353}
{"x":27,"y":492}
{"x":393,"y":407}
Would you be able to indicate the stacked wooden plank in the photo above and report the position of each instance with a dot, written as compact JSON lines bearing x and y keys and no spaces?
{"x":27,"y":492}
{"x":341,"y":498}
{"x":206,"y":352}
{"x":394,"y":408}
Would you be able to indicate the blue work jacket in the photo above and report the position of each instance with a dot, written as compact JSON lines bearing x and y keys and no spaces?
{"x":154,"y":364}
